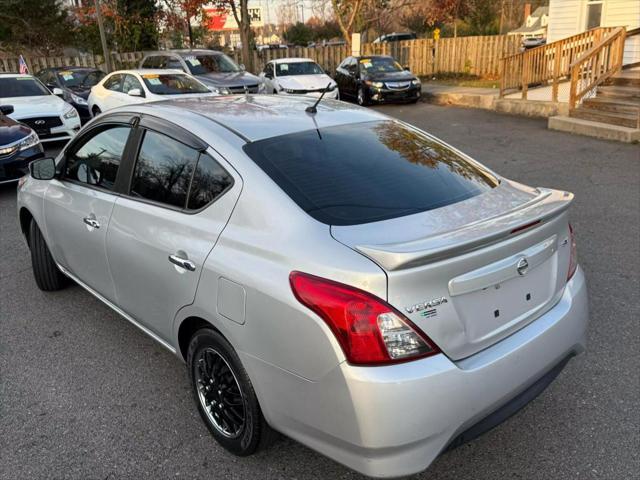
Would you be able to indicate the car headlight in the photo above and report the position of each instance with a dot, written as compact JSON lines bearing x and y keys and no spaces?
{"x":76,"y":99}
{"x":29,"y":141}
{"x":415,"y":81}
{"x":71,"y":113}
{"x":290,"y":90}
{"x":374,"y":84}
{"x":332,"y":87}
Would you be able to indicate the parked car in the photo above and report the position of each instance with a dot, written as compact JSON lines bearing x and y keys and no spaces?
{"x":141,"y":86}
{"x":75,"y":83}
{"x":52,"y":118}
{"x":340,"y":276}
{"x":19,"y":145}
{"x":297,"y":76}
{"x":395,"y":37}
{"x":271,"y":46}
{"x":528,"y":43}
{"x":215,"y":69}
{"x":376,"y":78}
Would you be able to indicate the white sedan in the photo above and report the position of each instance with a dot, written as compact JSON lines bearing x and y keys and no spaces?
{"x":33,"y":104}
{"x":297,"y":76}
{"x":125,"y":87}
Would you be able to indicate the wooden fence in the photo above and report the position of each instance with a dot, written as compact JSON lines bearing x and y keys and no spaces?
{"x":473,"y":55}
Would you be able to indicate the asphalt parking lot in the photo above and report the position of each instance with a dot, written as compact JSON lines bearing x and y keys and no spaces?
{"x":85,"y":395}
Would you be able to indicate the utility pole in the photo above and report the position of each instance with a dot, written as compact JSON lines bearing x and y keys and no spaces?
{"x":103,"y":37}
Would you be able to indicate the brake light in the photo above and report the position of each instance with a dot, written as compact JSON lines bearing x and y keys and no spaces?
{"x":370,"y":331}
{"x":573,"y":255}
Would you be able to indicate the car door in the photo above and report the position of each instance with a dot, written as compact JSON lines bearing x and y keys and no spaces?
{"x":266,"y":77}
{"x":110,"y":95}
{"x":179,"y":200}
{"x":341,"y":74}
{"x":78,"y":205}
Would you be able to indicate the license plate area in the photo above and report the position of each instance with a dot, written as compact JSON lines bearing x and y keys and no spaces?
{"x":487,"y":312}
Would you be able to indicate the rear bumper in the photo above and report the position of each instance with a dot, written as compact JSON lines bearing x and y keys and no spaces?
{"x":395,"y":420}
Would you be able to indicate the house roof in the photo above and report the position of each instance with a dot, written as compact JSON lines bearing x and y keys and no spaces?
{"x":535,"y":26}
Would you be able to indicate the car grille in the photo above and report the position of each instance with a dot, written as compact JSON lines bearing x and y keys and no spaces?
{"x":41,"y":123}
{"x":398,"y":85}
{"x":241,"y":89}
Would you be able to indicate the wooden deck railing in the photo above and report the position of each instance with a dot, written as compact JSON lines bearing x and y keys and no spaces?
{"x":600,"y":62}
{"x":547,"y":63}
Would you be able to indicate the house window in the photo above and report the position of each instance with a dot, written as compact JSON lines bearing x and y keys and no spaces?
{"x":594,"y":14}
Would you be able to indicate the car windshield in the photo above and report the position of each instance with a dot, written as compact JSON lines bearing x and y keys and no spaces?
{"x":298,"y":68}
{"x":379,"y":65}
{"x":218,"y":63}
{"x":79,"y":78}
{"x":366,"y":172}
{"x":22,"y":87}
{"x":172,"y":84}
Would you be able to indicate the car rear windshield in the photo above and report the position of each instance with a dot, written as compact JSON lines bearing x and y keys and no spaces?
{"x":366,"y":172}
{"x":22,"y":87}
{"x":172,"y":84}
{"x":214,"y":63}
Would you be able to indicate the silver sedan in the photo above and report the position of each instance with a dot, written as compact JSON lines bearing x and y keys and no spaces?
{"x":337,"y":276}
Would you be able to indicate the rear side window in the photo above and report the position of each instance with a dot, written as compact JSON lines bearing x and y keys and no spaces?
{"x":210,"y":181}
{"x":366,"y":172}
{"x":96,"y":162}
{"x":163,"y":170}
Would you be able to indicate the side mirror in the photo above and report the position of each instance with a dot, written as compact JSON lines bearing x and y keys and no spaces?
{"x":43,"y":169}
{"x":6,"y":109}
{"x":242,"y":67}
{"x":58,"y":92}
{"x":135,"y":92}
{"x":268,"y":75}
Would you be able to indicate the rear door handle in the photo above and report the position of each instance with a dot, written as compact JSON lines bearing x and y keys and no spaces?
{"x":92,"y":222}
{"x":182,"y":262}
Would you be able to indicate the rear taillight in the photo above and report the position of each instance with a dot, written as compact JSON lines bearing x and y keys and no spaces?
{"x":370,"y":331}
{"x":573,"y":255}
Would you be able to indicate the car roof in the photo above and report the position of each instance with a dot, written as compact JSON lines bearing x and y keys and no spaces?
{"x":257,"y":117}
{"x":13,"y":75}
{"x":153,"y":71}
{"x":292,"y":60}
{"x":185,"y":51}
{"x":72,"y":68}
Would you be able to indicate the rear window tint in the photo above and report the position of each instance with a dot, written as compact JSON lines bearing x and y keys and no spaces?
{"x":367,"y":172}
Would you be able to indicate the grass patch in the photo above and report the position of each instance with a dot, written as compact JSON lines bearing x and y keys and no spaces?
{"x":461,"y":80}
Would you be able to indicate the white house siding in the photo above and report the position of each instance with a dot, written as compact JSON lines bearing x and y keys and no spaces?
{"x":569,"y":17}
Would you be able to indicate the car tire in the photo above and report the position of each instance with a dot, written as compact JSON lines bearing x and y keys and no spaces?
{"x":96,"y":111}
{"x":361,"y":97}
{"x":213,"y":362}
{"x":45,"y":271}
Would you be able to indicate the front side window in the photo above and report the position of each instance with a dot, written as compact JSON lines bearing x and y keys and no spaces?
{"x":367,"y":172}
{"x":96,"y":162}
{"x":172,"y":84}
{"x":114,"y":83}
{"x":298,"y":68}
{"x":131,"y":83}
{"x":22,"y":87}
{"x":210,"y":181}
{"x":163,"y":170}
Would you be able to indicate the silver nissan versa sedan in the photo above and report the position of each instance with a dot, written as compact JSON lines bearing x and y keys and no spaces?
{"x":339,"y":276}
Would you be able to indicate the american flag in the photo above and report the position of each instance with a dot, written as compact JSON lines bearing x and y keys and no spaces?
{"x":23,"y":66}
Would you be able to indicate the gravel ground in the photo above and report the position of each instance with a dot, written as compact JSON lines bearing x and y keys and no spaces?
{"x":85,"y":395}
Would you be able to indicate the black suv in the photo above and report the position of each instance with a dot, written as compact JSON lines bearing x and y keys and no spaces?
{"x":216,"y":70}
{"x":75,"y":82}
{"x":19,"y":145}
{"x":376,"y":78}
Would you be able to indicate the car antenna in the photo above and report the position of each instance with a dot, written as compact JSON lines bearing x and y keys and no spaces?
{"x":312,"y":108}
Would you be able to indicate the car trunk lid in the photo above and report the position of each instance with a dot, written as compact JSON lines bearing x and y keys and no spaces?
{"x":473,"y":272}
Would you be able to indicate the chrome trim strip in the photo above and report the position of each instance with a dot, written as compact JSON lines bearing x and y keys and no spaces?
{"x":116,"y":309}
